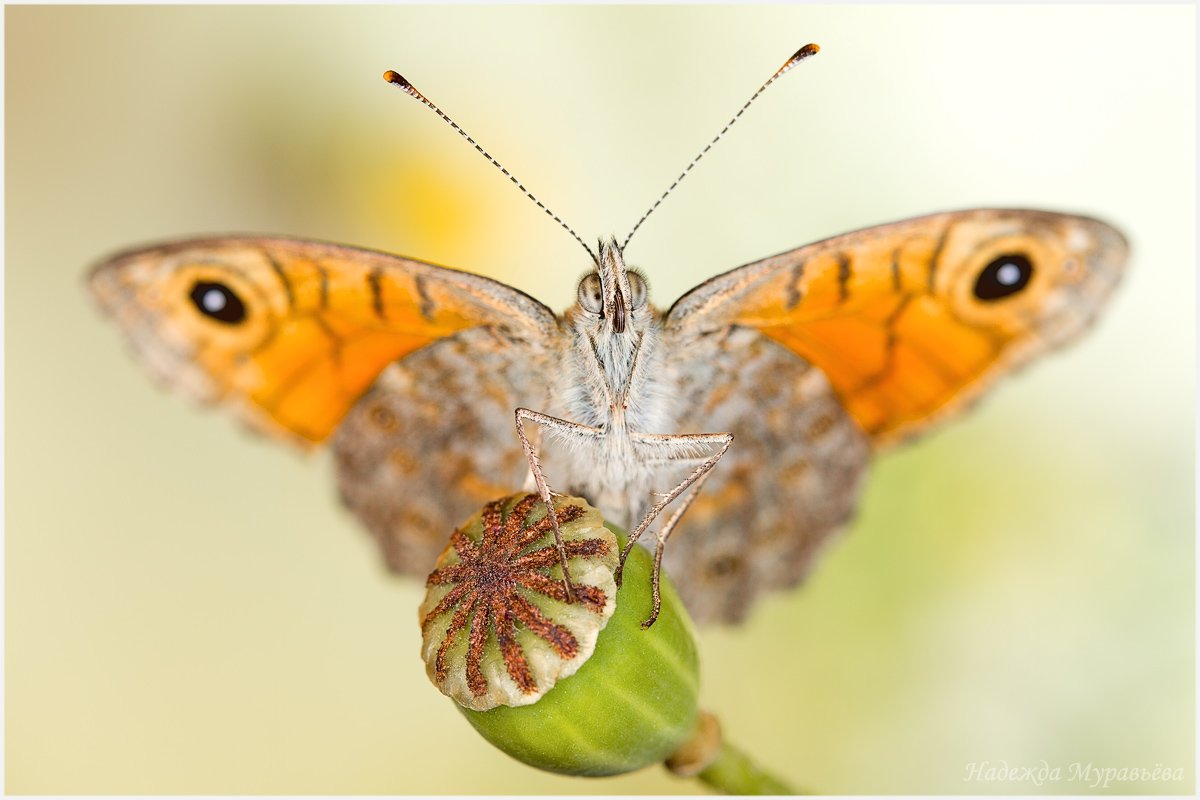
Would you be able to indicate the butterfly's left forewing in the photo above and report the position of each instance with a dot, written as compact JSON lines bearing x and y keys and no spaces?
{"x":912,"y":321}
{"x":290,"y":333}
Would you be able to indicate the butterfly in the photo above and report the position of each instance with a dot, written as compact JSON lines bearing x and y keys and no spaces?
{"x":771,"y":385}
{"x":812,"y":359}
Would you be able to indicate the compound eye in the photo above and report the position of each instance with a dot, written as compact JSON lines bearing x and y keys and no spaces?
{"x":1004,"y":276}
{"x":591,"y":294}
{"x":637,"y":290}
{"x":217,"y":301}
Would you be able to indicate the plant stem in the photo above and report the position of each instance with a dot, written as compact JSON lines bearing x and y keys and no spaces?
{"x":709,"y":758}
{"x":732,"y":772}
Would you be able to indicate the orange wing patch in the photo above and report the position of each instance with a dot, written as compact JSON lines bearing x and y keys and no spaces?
{"x":911,"y":321}
{"x":291,"y":332}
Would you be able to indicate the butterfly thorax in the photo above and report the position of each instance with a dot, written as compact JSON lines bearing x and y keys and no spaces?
{"x":615,"y":384}
{"x":612,"y":379}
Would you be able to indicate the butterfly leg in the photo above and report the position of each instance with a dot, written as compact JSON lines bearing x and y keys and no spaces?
{"x":660,"y":544}
{"x":675,"y":448}
{"x":566,"y":430}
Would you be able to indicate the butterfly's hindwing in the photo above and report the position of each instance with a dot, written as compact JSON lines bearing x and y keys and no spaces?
{"x":789,"y":482}
{"x":433,"y":441}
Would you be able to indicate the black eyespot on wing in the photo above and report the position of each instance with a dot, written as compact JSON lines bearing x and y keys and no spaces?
{"x":1004,"y":276}
{"x":217,"y":301}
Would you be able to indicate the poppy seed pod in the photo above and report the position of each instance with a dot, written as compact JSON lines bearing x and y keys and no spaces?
{"x":576,"y":687}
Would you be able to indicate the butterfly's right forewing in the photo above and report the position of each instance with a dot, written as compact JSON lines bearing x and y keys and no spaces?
{"x":913,"y":321}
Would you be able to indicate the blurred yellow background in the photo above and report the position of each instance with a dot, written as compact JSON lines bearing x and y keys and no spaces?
{"x":189,"y":610}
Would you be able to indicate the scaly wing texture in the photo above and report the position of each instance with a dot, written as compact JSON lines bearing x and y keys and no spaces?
{"x":291,"y":333}
{"x":789,"y":482}
{"x":912,"y":321}
{"x":433,"y":441}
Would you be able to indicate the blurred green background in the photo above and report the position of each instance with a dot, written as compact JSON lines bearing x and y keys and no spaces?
{"x":189,"y":610}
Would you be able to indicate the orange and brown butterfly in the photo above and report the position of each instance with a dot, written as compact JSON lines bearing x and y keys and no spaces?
{"x":811,"y":359}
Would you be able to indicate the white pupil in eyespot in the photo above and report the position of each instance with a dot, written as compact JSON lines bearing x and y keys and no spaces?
{"x":1008,"y":274}
{"x":213,"y":301}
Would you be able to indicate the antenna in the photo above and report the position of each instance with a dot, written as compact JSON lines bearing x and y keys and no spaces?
{"x":800,"y":55}
{"x":396,"y":79}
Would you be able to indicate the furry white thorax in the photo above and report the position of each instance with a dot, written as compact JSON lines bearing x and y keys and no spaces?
{"x":616,"y":383}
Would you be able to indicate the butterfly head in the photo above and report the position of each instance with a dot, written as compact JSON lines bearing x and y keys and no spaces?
{"x":613,"y":299}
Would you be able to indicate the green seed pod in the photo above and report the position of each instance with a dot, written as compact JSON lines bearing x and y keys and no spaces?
{"x":576,"y":688}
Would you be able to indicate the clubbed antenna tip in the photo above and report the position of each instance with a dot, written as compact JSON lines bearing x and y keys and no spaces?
{"x":798,"y":56}
{"x":396,"y":79}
